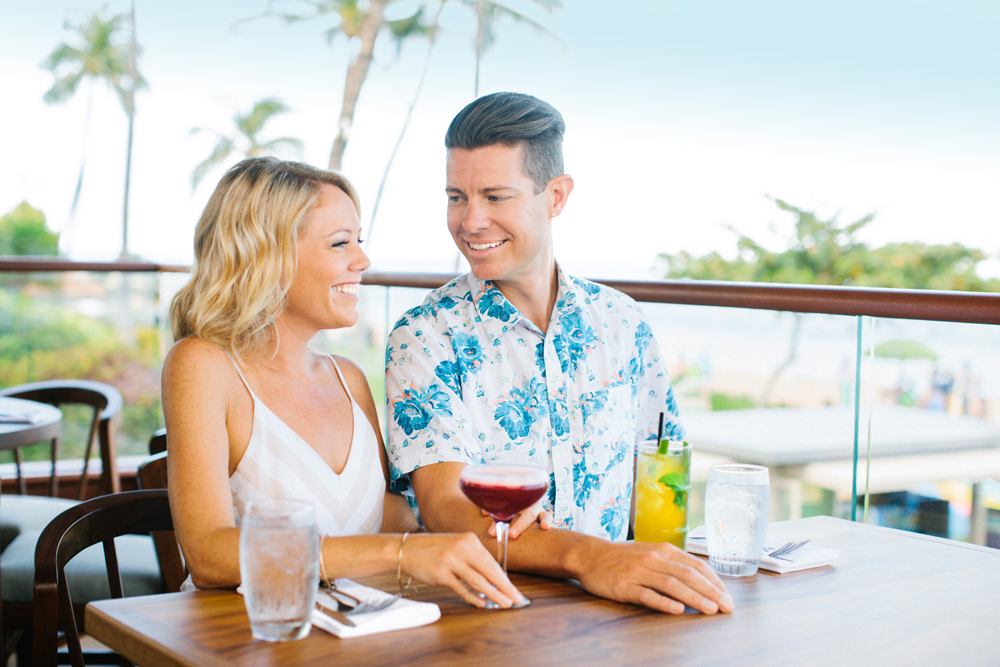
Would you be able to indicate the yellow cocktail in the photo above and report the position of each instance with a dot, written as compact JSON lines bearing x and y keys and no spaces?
{"x":663,"y":482}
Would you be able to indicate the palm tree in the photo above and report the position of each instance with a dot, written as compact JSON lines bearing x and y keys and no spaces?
{"x":246,"y":140}
{"x":99,"y":55}
{"x":365,"y":25}
{"x":487,"y":14}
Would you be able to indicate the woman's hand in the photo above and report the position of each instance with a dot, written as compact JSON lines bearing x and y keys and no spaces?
{"x":525,"y":519}
{"x":460,"y":562}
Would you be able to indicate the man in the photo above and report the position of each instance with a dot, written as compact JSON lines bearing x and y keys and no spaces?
{"x":518,"y":362}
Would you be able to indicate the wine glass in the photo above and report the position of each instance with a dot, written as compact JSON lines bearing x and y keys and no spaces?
{"x":503,"y":490}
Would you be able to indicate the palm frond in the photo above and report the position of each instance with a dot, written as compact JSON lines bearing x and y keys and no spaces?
{"x":222,"y":150}
{"x":411,"y":26}
{"x":262,"y":111}
{"x":63,"y":88}
{"x":281,"y":146}
{"x":499,"y":9}
{"x":64,"y":53}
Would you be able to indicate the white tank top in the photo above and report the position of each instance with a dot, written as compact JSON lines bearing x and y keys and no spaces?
{"x":278,"y":463}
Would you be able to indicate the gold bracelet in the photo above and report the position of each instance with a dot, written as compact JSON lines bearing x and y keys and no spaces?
{"x":322,"y":566}
{"x":399,"y":567}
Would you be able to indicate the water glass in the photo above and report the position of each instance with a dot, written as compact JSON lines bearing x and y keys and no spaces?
{"x":737,"y":502}
{"x":662,"y":488}
{"x":279,"y":568}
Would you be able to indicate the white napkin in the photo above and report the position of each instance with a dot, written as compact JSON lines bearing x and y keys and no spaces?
{"x":400,"y":615}
{"x":803,"y":558}
{"x":18,"y":418}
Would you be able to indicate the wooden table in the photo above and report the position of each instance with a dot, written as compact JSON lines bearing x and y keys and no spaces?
{"x":46,"y":424}
{"x":893,"y":598}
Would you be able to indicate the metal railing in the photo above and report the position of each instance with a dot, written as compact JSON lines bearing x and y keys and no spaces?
{"x":969,"y":307}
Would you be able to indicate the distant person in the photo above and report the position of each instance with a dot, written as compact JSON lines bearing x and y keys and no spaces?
{"x":517,"y":361}
{"x":253,"y":413}
{"x":941,"y":386}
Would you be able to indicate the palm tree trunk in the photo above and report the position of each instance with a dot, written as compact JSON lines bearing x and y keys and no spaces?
{"x":130,"y":109}
{"x":67,"y":235}
{"x":128,"y":179}
{"x":399,"y":141}
{"x":793,"y":350}
{"x":480,"y":40}
{"x":356,"y":74}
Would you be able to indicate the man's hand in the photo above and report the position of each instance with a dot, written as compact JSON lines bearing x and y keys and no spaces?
{"x":524,"y":520}
{"x":658,"y":576}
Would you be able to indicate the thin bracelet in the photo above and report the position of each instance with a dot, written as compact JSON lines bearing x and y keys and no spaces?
{"x":399,"y":567}
{"x":322,"y":566}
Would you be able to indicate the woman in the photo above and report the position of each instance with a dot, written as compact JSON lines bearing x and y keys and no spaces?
{"x":251,"y":412}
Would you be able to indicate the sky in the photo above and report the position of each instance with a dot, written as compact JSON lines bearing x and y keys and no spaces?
{"x":684,"y":119}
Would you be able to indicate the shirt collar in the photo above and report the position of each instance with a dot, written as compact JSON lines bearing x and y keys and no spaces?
{"x":499,"y":315}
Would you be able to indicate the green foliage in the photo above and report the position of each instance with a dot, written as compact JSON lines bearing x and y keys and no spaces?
{"x":23,"y":232}
{"x":824,"y":252}
{"x":721,"y":401}
{"x":43,"y":340}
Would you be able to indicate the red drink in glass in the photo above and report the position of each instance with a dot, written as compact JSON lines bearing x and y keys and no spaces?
{"x":503,"y":502}
{"x":503,"y":490}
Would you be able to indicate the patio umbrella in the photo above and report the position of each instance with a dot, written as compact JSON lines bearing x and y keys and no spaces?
{"x":904,"y":349}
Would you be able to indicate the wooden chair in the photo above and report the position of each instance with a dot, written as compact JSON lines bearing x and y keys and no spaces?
{"x":106,"y":402}
{"x":158,"y":443}
{"x":22,"y":517}
{"x":96,"y":521}
{"x":152,"y":474}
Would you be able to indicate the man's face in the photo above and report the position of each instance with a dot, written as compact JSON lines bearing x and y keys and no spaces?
{"x":498,"y":222}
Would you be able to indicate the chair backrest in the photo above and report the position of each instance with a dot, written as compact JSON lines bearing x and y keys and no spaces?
{"x":98,"y":520}
{"x":152,"y":474}
{"x":158,"y":443}
{"x":106,"y":402}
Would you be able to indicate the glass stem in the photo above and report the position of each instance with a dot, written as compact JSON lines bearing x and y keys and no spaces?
{"x":502,"y":529}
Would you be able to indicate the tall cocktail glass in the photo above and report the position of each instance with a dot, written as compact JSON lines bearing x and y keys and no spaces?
{"x":663,"y":482}
{"x":279,"y":568}
{"x":737,"y":502}
{"x":503,"y":490}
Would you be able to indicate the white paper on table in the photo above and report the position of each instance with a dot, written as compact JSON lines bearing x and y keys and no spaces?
{"x":400,"y":615}
{"x":803,"y":558}
{"x":19,"y":418}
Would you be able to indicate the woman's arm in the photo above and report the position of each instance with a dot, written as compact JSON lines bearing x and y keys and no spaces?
{"x":198,"y":391}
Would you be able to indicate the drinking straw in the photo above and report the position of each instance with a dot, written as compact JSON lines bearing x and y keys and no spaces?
{"x":659,"y":430}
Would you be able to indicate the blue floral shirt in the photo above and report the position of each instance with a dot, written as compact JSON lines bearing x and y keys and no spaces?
{"x":468,"y":379}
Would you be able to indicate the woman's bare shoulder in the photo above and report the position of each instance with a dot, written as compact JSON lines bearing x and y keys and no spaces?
{"x":193,"y":354}
{"x":355,"y":377}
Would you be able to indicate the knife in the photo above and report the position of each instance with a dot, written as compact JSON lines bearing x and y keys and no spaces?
{"x":338,"y":616}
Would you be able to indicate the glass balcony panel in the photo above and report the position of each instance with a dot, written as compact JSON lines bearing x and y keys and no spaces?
{"x":103,"y":326}
{"x":934,"y":392}
{"x":750,"y":384}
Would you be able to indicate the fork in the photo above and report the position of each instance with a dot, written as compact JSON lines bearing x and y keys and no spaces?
{"x":357,"y":605}
{"x":786,"y":549}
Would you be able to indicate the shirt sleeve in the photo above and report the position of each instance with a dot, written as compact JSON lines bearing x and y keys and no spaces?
{"x":427,"y":421}
{"x":655,"y":392}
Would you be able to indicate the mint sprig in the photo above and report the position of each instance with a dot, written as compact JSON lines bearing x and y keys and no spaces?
{"x":679,"y":483}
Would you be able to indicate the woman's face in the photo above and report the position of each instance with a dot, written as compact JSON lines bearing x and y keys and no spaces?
{"x":324,"y":291}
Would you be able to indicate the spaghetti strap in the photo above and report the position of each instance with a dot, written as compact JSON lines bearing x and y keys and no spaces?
{"x":343,"y":380}
{"x":245,"y":383}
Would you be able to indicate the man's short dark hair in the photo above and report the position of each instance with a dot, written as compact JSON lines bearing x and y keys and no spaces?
{"x":513,"y":119}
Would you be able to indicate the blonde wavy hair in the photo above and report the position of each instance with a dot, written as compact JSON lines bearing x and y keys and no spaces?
{"x":245,"y":253}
